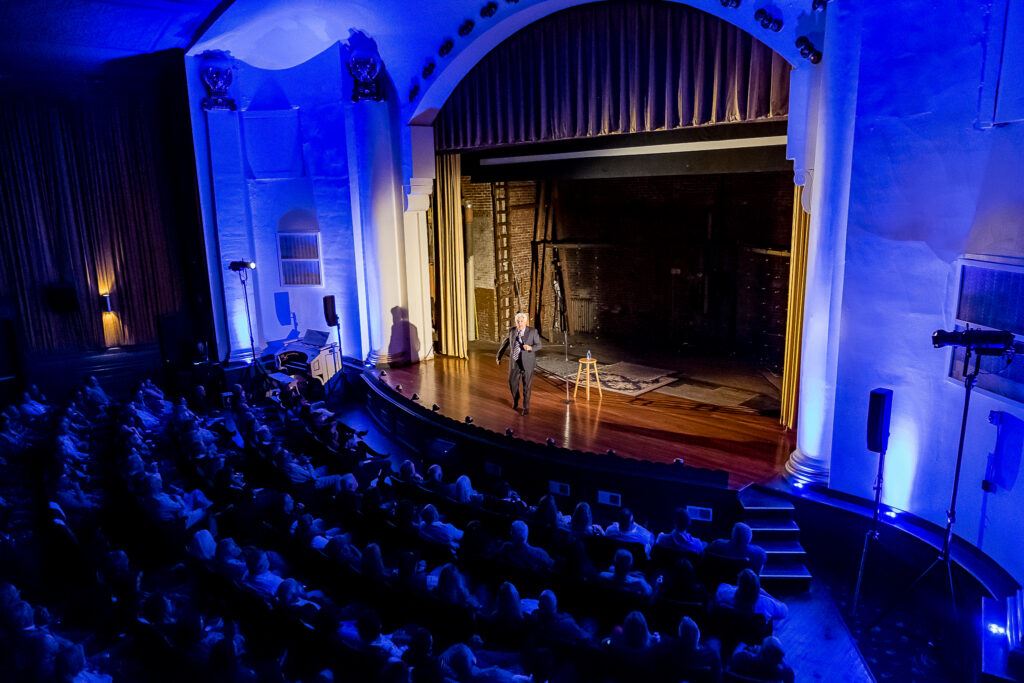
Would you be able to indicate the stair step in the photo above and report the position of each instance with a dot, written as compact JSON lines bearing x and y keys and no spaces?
{"x":786,"y":570}
{"x":755,"y":499}
{"x":772,"y":524}
{"x":782,"y":547}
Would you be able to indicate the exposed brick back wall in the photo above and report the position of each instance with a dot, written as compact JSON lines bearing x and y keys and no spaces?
{"x":652,"y":241}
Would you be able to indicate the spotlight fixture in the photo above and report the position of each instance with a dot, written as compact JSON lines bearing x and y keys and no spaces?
{"x":551,"y":441}
{"x":466,"y":27}
{"x":446,"y":47}
{"x":435,"y":407}
{"x":383,"y":374}
{"x":767,"y":21}
{"x":106,"y":305}
{"x":398,"y":388}
{"x":236,"y":266}
{"x":415,"y":396}
{"x":678,"y":461}
{"x":489,"y":10}
{"x":731,"y":4}
{"x":984,"y":342}
{"x":469,"y":419}
{"x":509,"y":431}
{"x":428,"y":69}
{"x":611,"y":452}
{"x":414,"y":91}
{"x":807,"y":50}
{"x":819,"y":5}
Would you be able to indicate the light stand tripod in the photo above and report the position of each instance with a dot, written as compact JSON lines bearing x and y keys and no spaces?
{"x":243,"y":277}
{"x":977,"y":343}
{"x":565,"y":336}
{"x":243,"y":268}
{"x":943,"y":560}
{"x":872,"y":533}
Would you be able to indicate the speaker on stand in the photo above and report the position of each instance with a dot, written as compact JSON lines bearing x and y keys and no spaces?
{"x":331,"y":318}
{"x":879,"y":414}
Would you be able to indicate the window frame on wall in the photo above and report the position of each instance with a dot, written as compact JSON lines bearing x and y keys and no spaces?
{"x":282,"y":260}
{"x":998,"y":379}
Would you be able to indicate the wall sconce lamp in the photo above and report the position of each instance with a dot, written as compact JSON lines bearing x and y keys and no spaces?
{"x":467,"y":212}
{"x":106,"y":304}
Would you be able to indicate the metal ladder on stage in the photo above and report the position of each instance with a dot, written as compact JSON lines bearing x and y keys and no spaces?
{"x":504,"y":273}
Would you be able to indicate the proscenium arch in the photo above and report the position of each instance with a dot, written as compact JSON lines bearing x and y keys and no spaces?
{"x":798,"y":20}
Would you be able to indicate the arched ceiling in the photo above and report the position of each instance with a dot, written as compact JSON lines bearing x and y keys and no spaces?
{"x":52,"y":37}
{"x":49,"y":38}
{"x":279,"y":34}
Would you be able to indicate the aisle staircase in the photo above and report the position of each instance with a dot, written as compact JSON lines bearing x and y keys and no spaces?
{"x":771,"y":518}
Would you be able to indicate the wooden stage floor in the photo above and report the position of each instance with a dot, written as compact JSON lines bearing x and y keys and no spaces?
{"x":653,"y":426}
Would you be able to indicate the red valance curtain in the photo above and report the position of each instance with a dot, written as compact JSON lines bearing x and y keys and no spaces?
{"x":616,"y":67}
{"x":83,"y":213}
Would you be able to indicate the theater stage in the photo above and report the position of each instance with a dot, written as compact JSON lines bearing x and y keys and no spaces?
{"x":653,"y":426}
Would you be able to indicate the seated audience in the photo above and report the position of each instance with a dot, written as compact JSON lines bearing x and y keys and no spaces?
{"x":680,"y":539}
{"x":764,"y":662}
{"x":739,"y":547}
{"x":434,"y":530}
{"x":451,"y":589}
{"x":685,"y":657}
{"x":520,"y":554}
{"x":553,"y":626}
{"x":460,"y":665}
{"x":748,"y":596}
{"x":626,"y":529}
{"x":621,"y":576}
{"x":582,"y":523}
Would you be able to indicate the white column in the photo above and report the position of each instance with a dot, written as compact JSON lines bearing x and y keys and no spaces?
{"x":830,"y":201}
{"x":417,"y":265}
{"x":382,"y":229}
{"x":233,"y":227}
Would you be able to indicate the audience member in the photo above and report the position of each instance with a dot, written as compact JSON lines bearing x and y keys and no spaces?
{"x":680,"y":539}
{"x":748,"y":596}
{"x":520,"y":554}
{"x":621,"y":576}
{"x":765,"y":662}
{"x":739,"y":547}
{"x":626,"y":529}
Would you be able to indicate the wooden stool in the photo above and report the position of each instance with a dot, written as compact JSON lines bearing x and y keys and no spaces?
{"x":586,"y":365}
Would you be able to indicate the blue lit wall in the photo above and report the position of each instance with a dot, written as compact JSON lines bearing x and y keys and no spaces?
{"x":928,"y":185}
{"x":282,"y":156}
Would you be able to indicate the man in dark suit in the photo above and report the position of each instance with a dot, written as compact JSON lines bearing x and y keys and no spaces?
{"x":522,"y":343}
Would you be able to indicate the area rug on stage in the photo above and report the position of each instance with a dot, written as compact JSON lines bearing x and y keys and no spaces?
{"x":716,"y":395}
{"x":623,"y":378}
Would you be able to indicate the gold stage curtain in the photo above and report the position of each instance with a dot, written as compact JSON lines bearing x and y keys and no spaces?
{"x":795,"y":314}
{"x":453,"y":332}
{"x":607,"y":68}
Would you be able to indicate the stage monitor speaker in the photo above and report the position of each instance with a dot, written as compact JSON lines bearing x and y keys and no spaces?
{"x":330,"y":312}
{"x":879,"y":412}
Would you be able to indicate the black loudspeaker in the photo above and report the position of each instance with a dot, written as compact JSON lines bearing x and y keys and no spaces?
{"x":879,"y":412}
{"x":330,"y":312}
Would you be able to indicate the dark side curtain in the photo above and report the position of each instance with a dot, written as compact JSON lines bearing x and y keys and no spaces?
{"x":617,"y":67}
{"x":82,"y":213}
